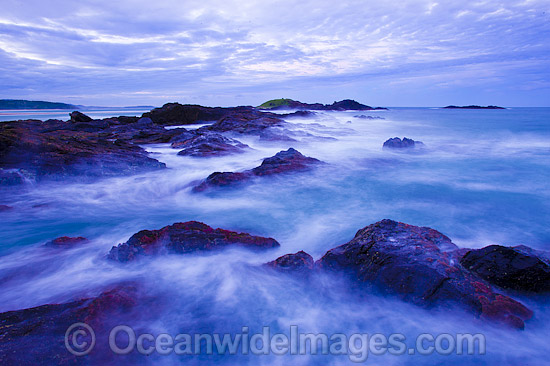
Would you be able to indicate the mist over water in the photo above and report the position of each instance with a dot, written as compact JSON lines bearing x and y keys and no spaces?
{"x":482,"y":178}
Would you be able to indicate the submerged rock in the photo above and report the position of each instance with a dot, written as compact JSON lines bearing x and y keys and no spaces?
{"x":186,"y":237}
{"x":66,"y":242}
{"x":511,"y":268}
{"x":290,"y":160}
{"x":300,"y":262}
{"x":362,"y":116}
{"x":397,"y":143}
{"x":420,"y":265}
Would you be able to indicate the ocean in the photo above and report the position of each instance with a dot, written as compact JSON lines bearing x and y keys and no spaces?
{"x":481,"y":178}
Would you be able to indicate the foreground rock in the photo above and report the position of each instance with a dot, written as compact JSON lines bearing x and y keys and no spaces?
{"x":290,"y":160}
{"x":36,"y":150}
{"x":421,"y":266}
{"x":397,"y":143}
{"x":343,"y":105}
{"x":300,"y":262}
{"x":186,"y":237}
{"x":36,"y":336}
{"x":510,"y":268}
{"x":173,"y":114}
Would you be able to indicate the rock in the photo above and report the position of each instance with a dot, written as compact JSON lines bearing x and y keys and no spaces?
{"x":36,"y":336}
{"x":248,"y":122}
{"x":300,"y":262}
{"x":343,"y":105}
{"x":173,"y":114}
{"x":472,"y":107}
{"x":11,"y":177}
{"x":186,"y":237}
{"x":53,"y":150}
{"x":66,"y":242}
{"x":77,"y":116}
{"x":4,"y":208}
{"x":285,"y":161}
{"x":397,"y":143}
{"x":419,"y":265}
{"x":362,"y":116}
{"x":209,"y":144}
{"x":509,"y":268}
{"x":290,"y":160}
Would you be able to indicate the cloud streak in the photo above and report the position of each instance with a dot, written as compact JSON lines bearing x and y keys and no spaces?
{"x":230,"y":52}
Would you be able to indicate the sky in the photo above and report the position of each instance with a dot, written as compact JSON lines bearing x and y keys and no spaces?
{"x":230,"y":52}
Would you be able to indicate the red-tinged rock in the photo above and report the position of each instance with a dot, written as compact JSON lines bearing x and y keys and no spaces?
{"x":186,"y":237}
{"x":398,"y":259}
{"x":300,"y":262}
{"x":287,"y":161}
{"x":66,"y":242}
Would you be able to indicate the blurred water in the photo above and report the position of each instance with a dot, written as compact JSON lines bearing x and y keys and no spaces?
{"x":482,"y":178}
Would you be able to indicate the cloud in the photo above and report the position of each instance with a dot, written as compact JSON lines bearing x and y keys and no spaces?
{"x":141,"y":51}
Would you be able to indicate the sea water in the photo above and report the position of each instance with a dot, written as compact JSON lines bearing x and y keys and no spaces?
{"x":481,"y":178}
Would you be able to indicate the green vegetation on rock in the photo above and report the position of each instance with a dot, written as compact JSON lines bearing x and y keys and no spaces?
{"x":274,"y":103}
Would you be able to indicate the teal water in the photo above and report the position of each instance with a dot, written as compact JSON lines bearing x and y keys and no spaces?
{"x":482,"y":178}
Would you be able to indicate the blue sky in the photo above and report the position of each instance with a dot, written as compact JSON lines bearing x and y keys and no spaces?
{"x":403,"y":53}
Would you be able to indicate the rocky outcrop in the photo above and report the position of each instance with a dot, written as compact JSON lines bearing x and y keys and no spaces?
{"x":186,"y":237}
{"x":420,"y":265}
{"x":77,"y":116}
{"x":397,"y":143}
{"x":343,"y":105}
{"x":362,"y":116}
{"x":66,"y":242}
{"x":472,"y":107}
{"x":510,"y":268}
{"x":36,"y":336}
{"x":173,"y":114}
{"x":208,"y":144}
{"x":56,"y":149}
{"x":290,"y":160}
{"x":300,"y":262}
{"x":248,"y":122}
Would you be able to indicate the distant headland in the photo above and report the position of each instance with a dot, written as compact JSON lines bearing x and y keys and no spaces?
{"x":34,"y":104}
{"x":343,"y":105}
{"x":472,"y":107}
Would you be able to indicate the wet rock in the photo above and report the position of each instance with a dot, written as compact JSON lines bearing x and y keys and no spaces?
{"x":290,"y":160}
{"x":77,"y":116}
{"x":186,"y":237}
{"x":208,"y":144}
{"x":66,"y":242}
{"x":362,"y":116}
{"x":510,"y":268}
{"x":343,"y":105}
{"x":173,"y":114}
{"x":36,"y":336}
{"x":300,"y":262}
{"x":397,"y":143}
{"x":248,"y":122}
{"x":419,"y":265}
{"x":53,"y":150}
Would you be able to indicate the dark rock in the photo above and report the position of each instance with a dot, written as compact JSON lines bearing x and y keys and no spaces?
{"x":300,"y":262}
{"x":36,"y":336}
{"x":66,"y":242}
{"x":5,"y":208}
{"x":472,"y":107}
{"x":290,"y":160}
{"x":285,"y":161}
{"x":77,"y":116}
{"x":419,"y":265}
{"x":177,"y":114}
{"x":301,"y":113}
{"x":343,"y":105}
{"x":187,"y":237}
{"x":249,"y":122}
{"x":397,"y":143}
{"x":362,"y":116}
{"x":209,"y":144}
{"x":509,"y":268}
{"x":11,"y":177}
{"x":53,"y":150}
